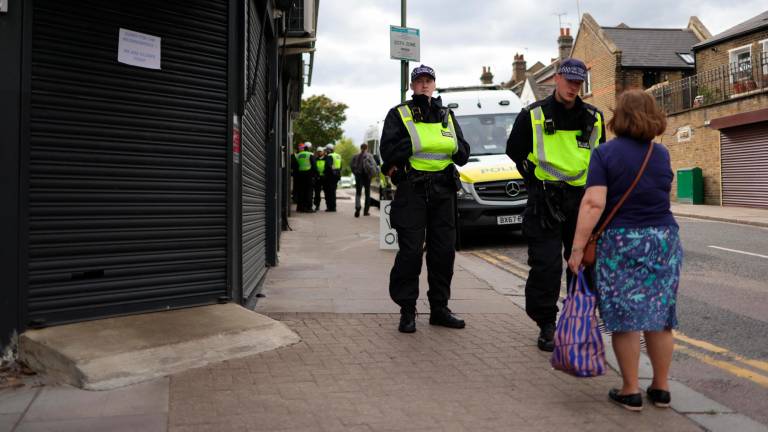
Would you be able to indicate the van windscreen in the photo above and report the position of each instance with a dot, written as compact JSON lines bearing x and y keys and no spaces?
{"x":486,"y":134}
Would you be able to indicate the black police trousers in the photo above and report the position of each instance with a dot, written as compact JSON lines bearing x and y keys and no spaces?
{"x":548,"y":245}
{"x":329,"y":189}
{"x":303,"y":188}
{"x":422,"y":212}
{"x":317,"y":186}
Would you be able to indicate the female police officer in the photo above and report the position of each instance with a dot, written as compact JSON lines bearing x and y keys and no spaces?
{"x":420,"y":143}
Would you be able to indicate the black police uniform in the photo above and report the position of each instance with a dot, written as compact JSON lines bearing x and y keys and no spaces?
{"x":549,"y":220}
{"x":423,"y":209}
{"x":331,"y":182}
{"x":303,"y":184}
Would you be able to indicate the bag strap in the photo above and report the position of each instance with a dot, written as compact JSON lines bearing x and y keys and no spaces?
{"x":624,"y":197}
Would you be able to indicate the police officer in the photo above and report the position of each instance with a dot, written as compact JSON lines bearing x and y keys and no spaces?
{"x":304,"y":166}
{"x":319,"y":178}
{"x":333,"y":162}
{"x":551,"y":143}
{"x":420,"y":143}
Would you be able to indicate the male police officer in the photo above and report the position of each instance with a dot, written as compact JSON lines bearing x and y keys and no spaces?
{"x":551,"y":143}
{"x":304,"y":166}
{"x":333,"y":174}
{"x":420,"y":142}
{"x":319,"y":179}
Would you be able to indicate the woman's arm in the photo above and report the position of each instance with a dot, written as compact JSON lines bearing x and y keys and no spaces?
{"x":592,"y":206}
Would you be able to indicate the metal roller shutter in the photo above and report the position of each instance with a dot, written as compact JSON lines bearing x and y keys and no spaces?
{"x":254,"y":154}
{"x":127,"y":165}
{"x":744,"y":156}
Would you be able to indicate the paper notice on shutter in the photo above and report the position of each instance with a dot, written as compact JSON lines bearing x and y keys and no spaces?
{"x":138,"y":49}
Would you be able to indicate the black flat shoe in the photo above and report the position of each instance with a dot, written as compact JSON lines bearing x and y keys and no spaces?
{"x":660,"y":398}
{"x":632,"y":402}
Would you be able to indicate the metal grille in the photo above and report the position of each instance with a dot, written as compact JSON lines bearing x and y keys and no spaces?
{"x":296,"y":23}
{"x":127,"y":165}
{"x":498,"y":190}
{"x":254,"y":153}
{"x":744,"y":158}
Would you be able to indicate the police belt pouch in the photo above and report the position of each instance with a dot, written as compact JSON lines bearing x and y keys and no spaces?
{"x":590,"y":249}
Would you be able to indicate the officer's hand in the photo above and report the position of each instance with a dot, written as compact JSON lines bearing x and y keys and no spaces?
{"x":391,"y":171}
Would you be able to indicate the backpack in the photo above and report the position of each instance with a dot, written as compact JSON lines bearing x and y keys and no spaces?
{"x":369,"y":166}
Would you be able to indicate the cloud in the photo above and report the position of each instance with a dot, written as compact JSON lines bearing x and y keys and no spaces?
{"x":459,"y":37}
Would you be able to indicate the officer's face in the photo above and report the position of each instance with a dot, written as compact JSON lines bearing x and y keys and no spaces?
{"x":566,"y":89}
{"x":423,"y":85}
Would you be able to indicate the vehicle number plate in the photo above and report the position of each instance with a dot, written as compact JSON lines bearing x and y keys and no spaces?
{"x":508,"y":220}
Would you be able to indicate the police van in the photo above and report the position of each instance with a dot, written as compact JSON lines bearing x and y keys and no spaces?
{"x":492,"y":191}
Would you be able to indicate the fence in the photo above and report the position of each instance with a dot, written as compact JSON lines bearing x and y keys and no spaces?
{"x":716,"y":85}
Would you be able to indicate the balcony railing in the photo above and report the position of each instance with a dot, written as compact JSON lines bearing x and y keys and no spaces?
{"x":716,"y":85}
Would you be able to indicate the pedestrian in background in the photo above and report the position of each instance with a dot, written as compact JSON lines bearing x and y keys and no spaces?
{"x":364,"y":168}
{"x":319,"y":178}
{"x":332,"y":176}
{"x":639,"y":255}
{"x":551,"y":143}
{"x":420,"y":143}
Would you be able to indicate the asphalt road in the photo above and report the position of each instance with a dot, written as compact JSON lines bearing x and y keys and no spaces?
{"x":722,"y":341}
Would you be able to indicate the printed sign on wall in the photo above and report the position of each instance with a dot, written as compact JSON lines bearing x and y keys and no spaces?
{"x":387,"y":234}
{"x":138,"y":49}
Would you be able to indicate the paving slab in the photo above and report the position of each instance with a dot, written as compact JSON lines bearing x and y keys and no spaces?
{"x":109,"y":353}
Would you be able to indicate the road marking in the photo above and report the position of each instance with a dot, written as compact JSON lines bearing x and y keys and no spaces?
{"x":509,"y":265}
{"x":757,"y":364}
{"x":726,"y":366}
{"x":738,"y":251}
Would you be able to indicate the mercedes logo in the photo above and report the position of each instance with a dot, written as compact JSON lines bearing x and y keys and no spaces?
{"x":512,"y":189}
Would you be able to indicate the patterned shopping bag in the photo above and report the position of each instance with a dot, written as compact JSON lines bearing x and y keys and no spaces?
{"x":579,"y":348}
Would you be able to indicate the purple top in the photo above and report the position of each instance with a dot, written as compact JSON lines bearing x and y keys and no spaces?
{"x":615,"y":164}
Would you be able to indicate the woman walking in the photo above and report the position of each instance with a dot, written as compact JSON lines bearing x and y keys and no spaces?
{"x":639,"y":255}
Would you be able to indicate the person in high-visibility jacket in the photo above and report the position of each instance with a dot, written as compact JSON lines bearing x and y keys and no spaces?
{"x":551,"y":143}
{"x":420,"y":143}
{"x":303,"y":165}
{"x":319,"y":178}
{"x":332,"y":177}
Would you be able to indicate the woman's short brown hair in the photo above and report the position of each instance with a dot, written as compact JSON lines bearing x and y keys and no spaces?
{"x":637,"y":116}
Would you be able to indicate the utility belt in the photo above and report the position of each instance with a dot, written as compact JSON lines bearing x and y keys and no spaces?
{"x":553,"y":201}
{"x":448,"y":176}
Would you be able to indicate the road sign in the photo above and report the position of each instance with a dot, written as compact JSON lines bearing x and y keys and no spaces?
{"x":404,"y":43}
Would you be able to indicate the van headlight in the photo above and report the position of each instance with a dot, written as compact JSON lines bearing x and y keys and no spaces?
{"x":466,"y":191}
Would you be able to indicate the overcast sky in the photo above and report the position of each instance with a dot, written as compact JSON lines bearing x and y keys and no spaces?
{"x":459,"y":37}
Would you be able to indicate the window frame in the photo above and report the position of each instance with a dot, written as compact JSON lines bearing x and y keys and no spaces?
{"x":586,"y":90}
{"x":734,"y":69}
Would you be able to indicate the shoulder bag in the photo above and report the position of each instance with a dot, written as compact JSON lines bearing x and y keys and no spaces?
{"x":590,"y":249}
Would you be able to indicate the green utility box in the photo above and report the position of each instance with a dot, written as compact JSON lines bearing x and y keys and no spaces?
{"x":690,"y":186}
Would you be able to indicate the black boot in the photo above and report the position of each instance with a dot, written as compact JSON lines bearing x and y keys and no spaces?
{"x":443,"y":316}
{"x":546,"y":340}
{"x":407,"y":320}
{"x":357,"y":212}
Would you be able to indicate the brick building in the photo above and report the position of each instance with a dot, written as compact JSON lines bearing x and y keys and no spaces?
{"x":718,"y":118}
{"x":623,"y":57}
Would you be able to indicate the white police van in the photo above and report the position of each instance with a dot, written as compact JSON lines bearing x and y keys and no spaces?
{"x":493,"y":192}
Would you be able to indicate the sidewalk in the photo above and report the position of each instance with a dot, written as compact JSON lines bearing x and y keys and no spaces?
{"x":354,"y":372}
{"x":741,"y":215}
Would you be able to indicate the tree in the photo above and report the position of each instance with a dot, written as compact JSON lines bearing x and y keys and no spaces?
{"x":319,"y":121}
{"x":347,"y":150}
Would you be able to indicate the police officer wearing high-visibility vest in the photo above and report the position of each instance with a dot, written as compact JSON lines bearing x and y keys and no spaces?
{"x":332,"y":161}
{"x":304,"y":166}
{"x":420,"y":143}
{"x":319,"y":178}
{"x":551,"y":143}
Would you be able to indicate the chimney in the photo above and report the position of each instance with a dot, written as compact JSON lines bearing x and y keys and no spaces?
{"x":487,"y":76}
{"x":518,"y":69}
{"x":565,"y":43}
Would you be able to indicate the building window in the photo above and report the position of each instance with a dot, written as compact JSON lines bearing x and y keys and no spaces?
{"x":651,"y":78}
{"x":687,"y":58}
{"x":764,"y":56}
{"x":587,"y":89}
{"x":740,"y":60}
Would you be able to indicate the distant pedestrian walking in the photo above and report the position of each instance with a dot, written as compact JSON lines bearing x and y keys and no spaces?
{"x":639,"y":255}
{"x":364,"y":169}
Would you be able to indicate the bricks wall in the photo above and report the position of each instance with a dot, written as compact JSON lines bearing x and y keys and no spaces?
{"x":717,"y":55}
{"x":703,"y":149}
{"x":602,"y":66}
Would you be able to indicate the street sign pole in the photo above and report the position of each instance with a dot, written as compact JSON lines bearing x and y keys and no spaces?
{"x":403,"y":63}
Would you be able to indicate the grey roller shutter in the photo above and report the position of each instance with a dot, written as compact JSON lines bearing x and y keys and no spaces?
{"x":254,"y":153}
{"x":744,"y":158}
{"x":127,"y":165}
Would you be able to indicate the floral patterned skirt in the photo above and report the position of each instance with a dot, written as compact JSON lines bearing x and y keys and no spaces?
{"x":637,"y":273}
